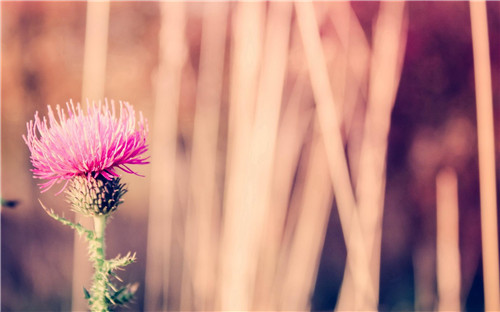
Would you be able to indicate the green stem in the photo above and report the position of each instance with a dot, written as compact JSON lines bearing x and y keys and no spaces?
{"x":99,"y":289}
{"x":100,"y":228}
{"x":100,"y":298}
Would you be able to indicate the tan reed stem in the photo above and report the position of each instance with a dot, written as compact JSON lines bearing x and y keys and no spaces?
{"x":310,"y":232}
{"x":204,"y":158}
{"x":337,"y":163}
{"x":447,"y":241}
{"x":355,"y":53}
{"x":290,"y":142}
{"x":486,"y":146}
{"x":385,"y":69}
{"x":172,"y":56}
{"x":235,"y":288}
{"x":263,"y":143}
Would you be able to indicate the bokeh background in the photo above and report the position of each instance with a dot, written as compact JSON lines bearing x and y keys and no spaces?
{"x":237,"y":209}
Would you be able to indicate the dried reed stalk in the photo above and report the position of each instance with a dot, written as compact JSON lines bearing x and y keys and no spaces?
{"x":204,"y":156}
{"x":274,"y":249}
{"x":310,"y":232}
{"x":486,"y":146}
{"x":385,"y":70}
{"x":329,"y":124}
{"x":447,"y":241}
{"x":263,"y":144}
{"x":235,"y":285}
{"x":93,"y":85}
{"x":172,"y":56}
{"x":354,"y":42}
{"x":354,"y":52}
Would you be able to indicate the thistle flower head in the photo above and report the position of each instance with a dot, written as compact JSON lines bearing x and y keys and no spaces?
{"x":91,"y":143}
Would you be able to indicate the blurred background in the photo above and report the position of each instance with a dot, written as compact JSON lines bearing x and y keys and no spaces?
{"x":283,"y":138}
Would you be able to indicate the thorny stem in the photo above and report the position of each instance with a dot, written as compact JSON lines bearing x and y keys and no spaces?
{"x":103,"y":294}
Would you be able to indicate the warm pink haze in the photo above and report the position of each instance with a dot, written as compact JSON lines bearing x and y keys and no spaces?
{"x":86,"y":142}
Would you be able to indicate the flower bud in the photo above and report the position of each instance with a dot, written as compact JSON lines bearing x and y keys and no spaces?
{"x":95,"y":196}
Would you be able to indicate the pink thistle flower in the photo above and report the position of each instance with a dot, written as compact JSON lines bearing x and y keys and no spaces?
{"x":91,"y":144}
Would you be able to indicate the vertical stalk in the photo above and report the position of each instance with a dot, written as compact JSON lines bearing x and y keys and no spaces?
{"x":264,"y":135}
{"x":447,"y":241}
{"x":337,"y":164}
{"x":172,"y":56}
{"x":310,"y":232}
{"x":486,"y":145}
{"x":235,"y":283}
{"x":204,"y":229}
{"x":97,"y":248}
{"x":389,"y":42}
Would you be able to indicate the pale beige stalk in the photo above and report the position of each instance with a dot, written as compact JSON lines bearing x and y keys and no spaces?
{"x":204,"y":157}
{"x":290,"y":141}
{"x":263,"y":141}
{"x":355,"y":53}
{"x":447,"y":241}
{"x":315,"y":207}
{"x":385,"y":68}
{"x":172,"y":55}
{"x":486,"y":146}
{"x":93,"y":86}
{"x":235,"y":277}
{"x":329,"y":124}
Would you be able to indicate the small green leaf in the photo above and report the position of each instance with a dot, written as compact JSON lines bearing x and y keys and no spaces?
{"x":86,"y":293}
{"x":125,"y":294}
